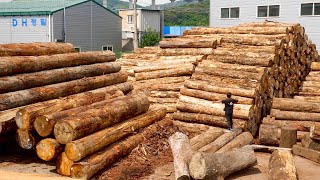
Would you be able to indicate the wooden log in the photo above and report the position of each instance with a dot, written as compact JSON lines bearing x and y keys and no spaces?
{"x":35,"y":49}
{"x":185,"y":51}
{"x":299,"y":125}
{"x":219,"y":166}
{"x":294,"y":115}
{"x":92,"y":120}
{"x":165,"y":80}
{"x":18,"y":65}
{"x":288,"y":137}
{"x":163,"y":100}
{"x":26,"y":116}
{"x":236,"y":67}
{"x":190,"y":43}
{"x":18,"y":82}
{"x":268,"y":149}
{"x":156,"y":67}
{"x":241,"y":140}
{"x":310,"y":154}
{"x":44,"y":124}
{"x":315,"y":131}
{"x":193,"y":128}
{"x":194,"y":105}
{"x":204,"y":86}
{"x":309,"y":143}
{"x":78,"y":149}
{"x":25,"y":139}
{"x":215,"y":97}
{"x":29,"y":96}
{"x":315,"y":66}
{"x":64,"y":164}
{"x":160,"y":87}
{"x":237,"y":30}
{"x":164,"y":94}
{"x":270,"y":135}
{"x":287,"y":104}
{"x":229,"y":73}
{"x":261,"y":62}
{"x":171,"y":107}
{"x":281,"y":166}
{"x":182,"y":153}
{"x":48,"y":149}
{"x":220,"y":141}
{"x":205,"y":138}
{"x":107,"y":156}
{"x":183,"y":71}
{"x":138,"y":56}
{"x":218,"y":121}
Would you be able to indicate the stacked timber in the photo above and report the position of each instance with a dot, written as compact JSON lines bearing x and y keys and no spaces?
{"x":255,"y":63}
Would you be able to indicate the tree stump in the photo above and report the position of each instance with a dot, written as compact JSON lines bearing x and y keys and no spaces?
{"x":288,"y":137}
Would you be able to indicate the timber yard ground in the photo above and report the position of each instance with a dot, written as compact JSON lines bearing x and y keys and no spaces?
{"x":151,"y":160}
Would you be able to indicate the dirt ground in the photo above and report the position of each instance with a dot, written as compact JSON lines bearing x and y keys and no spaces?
{"x":151,"y":160}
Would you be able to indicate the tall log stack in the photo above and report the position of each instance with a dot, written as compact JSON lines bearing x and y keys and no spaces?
{"x":256,"y":62}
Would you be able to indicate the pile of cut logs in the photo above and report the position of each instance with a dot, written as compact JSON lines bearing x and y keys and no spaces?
{"x":75,"y":108}
{"x":255,"y":62}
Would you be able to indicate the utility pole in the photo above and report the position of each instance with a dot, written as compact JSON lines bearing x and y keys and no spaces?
{"x":135,"y":25}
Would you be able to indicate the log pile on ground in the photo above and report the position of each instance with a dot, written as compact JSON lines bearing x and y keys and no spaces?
{"x":256,"y":62}
{"x":75,"y":107}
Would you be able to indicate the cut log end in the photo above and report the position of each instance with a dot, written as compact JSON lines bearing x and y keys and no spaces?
{"x":47,"y":149}
{"x":63,"y":132}
{"x":197,"y":166}
{"x":25,"y":139}
{"x":64,"y":165}
{"x":72,"y":151}
{"x":43,"y":126}
{"x":79,"y":171}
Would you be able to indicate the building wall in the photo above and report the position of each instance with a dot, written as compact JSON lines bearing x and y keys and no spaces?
{"x":89,"y":27}
{"x":151,"y":19}
{"x":24,"y":29}
{"x":289,"y":12}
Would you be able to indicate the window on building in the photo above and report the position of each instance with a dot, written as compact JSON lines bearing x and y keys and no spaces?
{"x":77,"y":49}
{"x":130,"y":19}
{"x":230,"y":12}
{"x":310,"y":9}
{"x":107,"y":48}
{"x":269,"y":11}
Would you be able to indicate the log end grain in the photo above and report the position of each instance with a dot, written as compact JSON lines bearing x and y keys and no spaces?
{"x":64,"y":165}
{"x":43,"y":126}
{"x":79,"y":171}
{"x":198,"y":167}
{"x":72,"y":151}
{"x":25,"y":139}
{"x":47,"y":149}
{"x":63,"y":132}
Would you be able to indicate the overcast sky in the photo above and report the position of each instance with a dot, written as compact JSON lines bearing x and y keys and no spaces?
{"x":148,"y":2}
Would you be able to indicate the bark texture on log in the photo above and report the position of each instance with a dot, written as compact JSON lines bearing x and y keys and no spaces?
{"x":281,"y":166}
{"x":220,"y":141}
{"x":310,"y":154}
{"x":309,"y":143}
{"x":299,"y":125}
{"x":92,"y":120}
{"x":21,"y":64}
{"x":107,"y":156}
{"x":215,"y":166}
{"x":205,"y":138}
{"x":315,"y":131}
{"x":64,"y":164}
{"x":241,"y":140}
{"x":35,"y":49}
{"x":294,"y":115}
{"x":29,"y":96}
{"x":193,"y":128}
{"x":185,"y":51}
{"x":48,"y":149}
{"x":286,"y":104}
{"x":31,"y":80}
{"x":78,"y":149}
{"x":181,"y":71}
{"x":179,"y":43}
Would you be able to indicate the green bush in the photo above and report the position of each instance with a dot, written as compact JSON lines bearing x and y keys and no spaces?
{"x":150,"y":38}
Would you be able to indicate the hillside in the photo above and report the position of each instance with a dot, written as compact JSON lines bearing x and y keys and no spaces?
{"x":192,"y":14}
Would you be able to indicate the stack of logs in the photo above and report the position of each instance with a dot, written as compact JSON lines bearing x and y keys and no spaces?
{"x":161,"y":71}
{"x":75,"y":108}
{"x":255,"y":62}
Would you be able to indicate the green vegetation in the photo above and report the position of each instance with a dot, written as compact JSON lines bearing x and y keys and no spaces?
{"x":150,"y":38}
{"x":192,"y":14}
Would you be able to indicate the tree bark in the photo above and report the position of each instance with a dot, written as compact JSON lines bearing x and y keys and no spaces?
{"x":190,"y":43}
{"x":205,"y":86}
{"x":35,"y":49}
{"x":310,"y":154}
{"x":107,"y":156}
{"x":220,"y":142}
{"x":63,"y":165}
{"x":182,"y":71}
{"x":158,"y":67}
{"x":243,"y":139}
{"x":205,"y":138}
{"x":219,"y":121}
{"x":215,"y":97}
{"x":238,"y":30}
{"x":28,"y":96}
{"x":293,"y":115}
{"x":281,"y":166}
{"x":235,"y":67}
{"x":286,"y":104}
{"x":192,"y":128}
{"x":288,"y":137}
{"x":315,"y":131}
{"x":185,"y":51}
{"x":182,"y":153}
{"x":299,"y":125}
{"x":48,"y":149}
{"x":18,"y":65}
{"x":44,"y":124}
{"x":309,"y":143}
{"x":260,"y":62}
{"x":215,"y":166}
{"x":93,"y":120}
{"x":78,"y":149}
{"x":26,"y":116}
{"x":18,"y":82}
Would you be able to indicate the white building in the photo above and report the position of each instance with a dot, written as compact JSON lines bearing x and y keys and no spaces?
{"x":232,"y":12}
